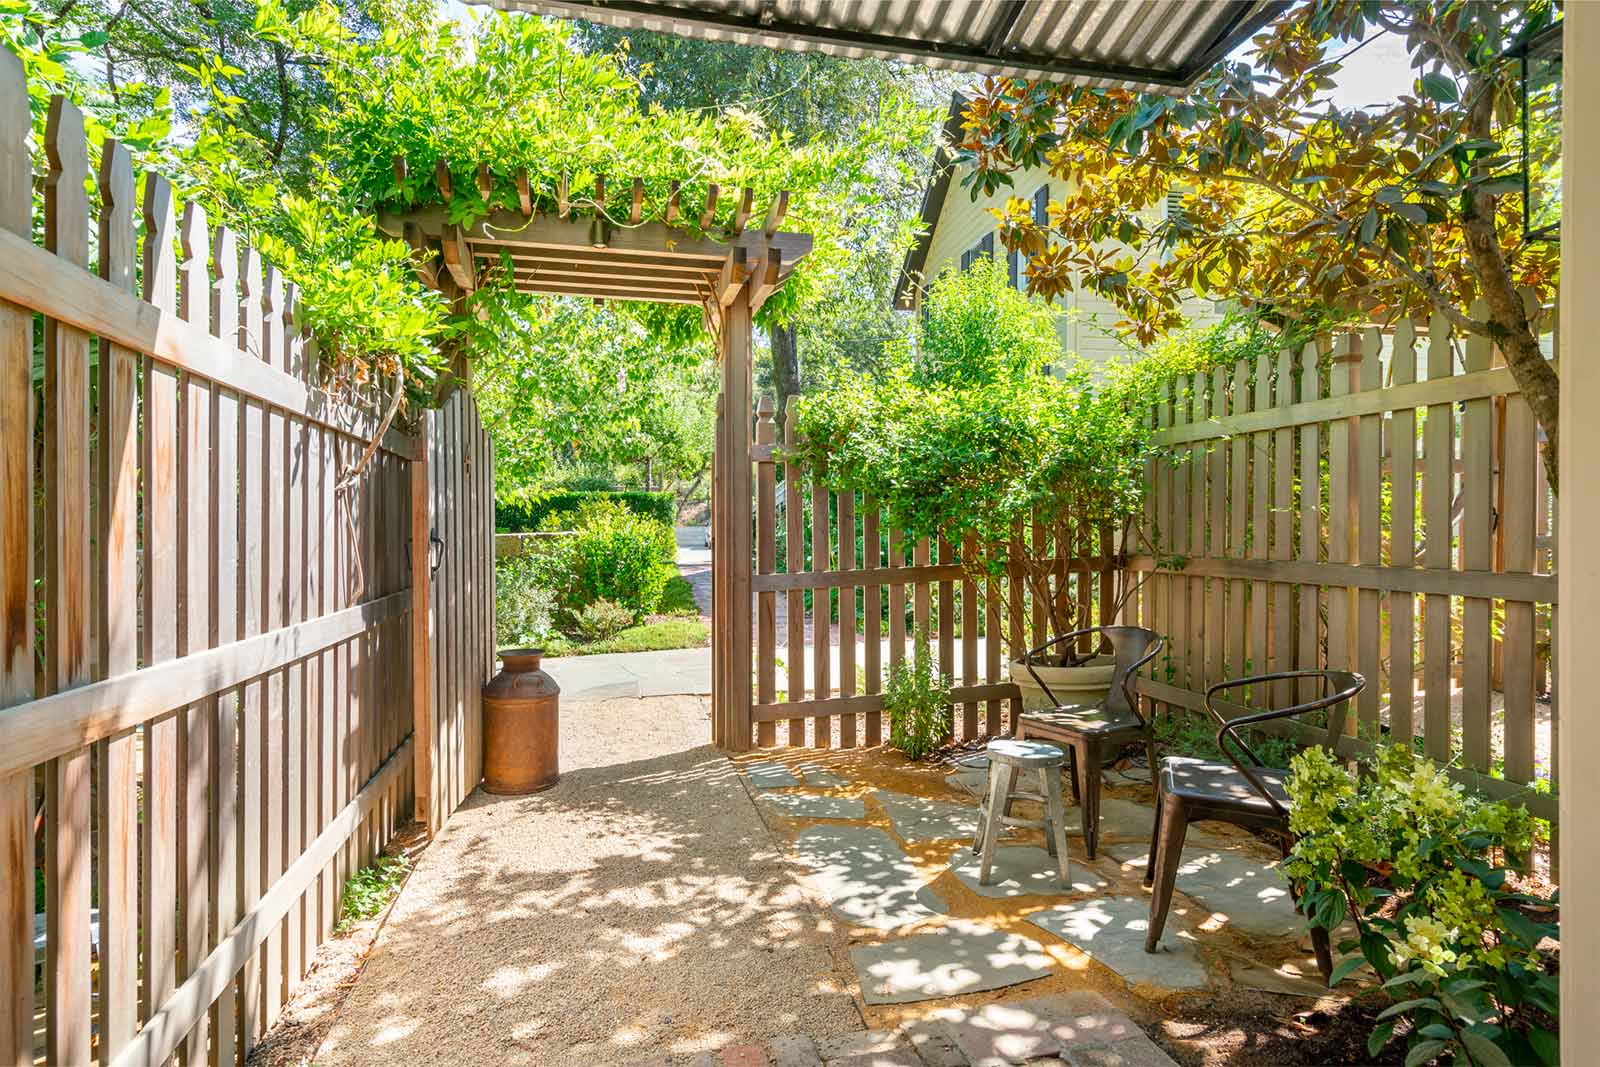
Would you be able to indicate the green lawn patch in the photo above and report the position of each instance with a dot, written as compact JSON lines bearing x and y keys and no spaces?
{"x":646,"y":637}
{"x":678,"y":598}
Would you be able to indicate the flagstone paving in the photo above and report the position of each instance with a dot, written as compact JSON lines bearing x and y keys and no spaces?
{"x":809,"y":806}
{"x":866,"y":877}
{"x":961,"y":957}
{"x":921,"y":819}
{"x":1238,"y":883}
{"x":770,"y":776}
{"x":1023,"y":871}
{"x":1112,"y":929}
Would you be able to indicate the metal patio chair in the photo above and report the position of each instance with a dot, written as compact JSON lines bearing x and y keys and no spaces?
{"x":1087,"y":731}
{"x":1244,"y":791}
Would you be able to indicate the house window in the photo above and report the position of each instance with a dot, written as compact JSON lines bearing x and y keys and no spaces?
{"x":984,"y":247}
{"x":1014,"y":268}
{"x":1041,"y":206}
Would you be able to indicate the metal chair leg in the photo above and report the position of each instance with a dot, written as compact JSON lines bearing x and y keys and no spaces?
{"x":1174,"y":826}
{"x":1089,"y":789}
{"x":1155,"y":840}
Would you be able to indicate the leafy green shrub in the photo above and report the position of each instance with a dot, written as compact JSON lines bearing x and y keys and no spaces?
{"x":370,"y":889}
{"x":615,"y":555}
{"x":523,"y":606}
{"x":917,"y":699}
{"x":979,"y":330}
{"x":602,"y":619}
{"x":526,"y":510}
{"x":1186,"y":734}
{"x":1416,"y":861}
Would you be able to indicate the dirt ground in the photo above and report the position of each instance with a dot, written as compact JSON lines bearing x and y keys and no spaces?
{"x":640,"y":906}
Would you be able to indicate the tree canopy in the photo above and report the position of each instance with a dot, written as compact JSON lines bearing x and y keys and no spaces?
{"x":1290,"y":203}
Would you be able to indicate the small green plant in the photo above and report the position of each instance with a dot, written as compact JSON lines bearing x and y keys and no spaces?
{"x":371,"y":889}
{"x":601,"y":620}
{"x":522,"y":605}
{"x":1422,"y":866}
{"x":1186,"y":734}
{"x":917,"y":699}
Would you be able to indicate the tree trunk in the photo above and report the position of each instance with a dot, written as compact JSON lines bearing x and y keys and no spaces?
{"x":785,"y":366}
{"x":1508,"y":321}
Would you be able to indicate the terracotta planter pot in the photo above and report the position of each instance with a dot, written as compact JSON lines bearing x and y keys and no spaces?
{"x":521,"y":726}
{"x":1084,"y":684}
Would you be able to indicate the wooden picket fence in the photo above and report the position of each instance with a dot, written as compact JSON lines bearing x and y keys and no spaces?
{"x":873,"y":590}
{"x":206,"y":704}
{"x":1374,"y":501}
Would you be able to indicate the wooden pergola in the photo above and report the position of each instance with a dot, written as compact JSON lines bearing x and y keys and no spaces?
{"x":728,"y":263}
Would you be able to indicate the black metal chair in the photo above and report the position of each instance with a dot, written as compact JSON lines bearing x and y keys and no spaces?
{"x":1087,"y":731}
{"x":1244,"y":791}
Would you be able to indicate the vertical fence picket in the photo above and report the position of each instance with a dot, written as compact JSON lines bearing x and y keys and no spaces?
{"x":969,"y":636}
{"x":794,"y":562}
{"x":16,"y":582}
{"x":766,"y":563}
{"x":1213,"y":518}
{"x":872,"y":609}
{"x":117,"y":578}
{"x":1438,"y":488}
{"x":1518,"y":524}
{"x":251,"y":477}
{"x":821,"y":614}
{"x":1309,"y":653}
{"x":847,"y":613}
{"x":1403,"y":538}
{"x":1477,"y":553}
{"x":274,"y":714}
{"x":1282,"y":548}
{"x":66,"y":440}
{"x":194,"y":564}
{"x":159,"y":492}
{"x":294,"y":784}
{"x":1260,"y":534}
{"x":1238,"y":500}
{"x":1368,"y":507}
{"x":947,"y":621}
{"x":225,"y":575}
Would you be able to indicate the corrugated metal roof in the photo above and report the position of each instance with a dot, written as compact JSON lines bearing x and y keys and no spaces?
{"x":1159,"y":45}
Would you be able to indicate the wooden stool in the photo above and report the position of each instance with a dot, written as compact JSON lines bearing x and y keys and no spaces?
{"x":1007,"y":759}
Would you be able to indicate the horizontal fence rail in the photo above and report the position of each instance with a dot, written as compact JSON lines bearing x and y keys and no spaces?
{"x":204,"y":609}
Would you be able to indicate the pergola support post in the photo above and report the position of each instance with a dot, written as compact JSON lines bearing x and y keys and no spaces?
{"x":732,"y":506}
{"x":1577,"y":567}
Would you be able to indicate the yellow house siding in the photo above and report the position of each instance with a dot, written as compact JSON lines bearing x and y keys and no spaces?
{"x":1087,"y":318}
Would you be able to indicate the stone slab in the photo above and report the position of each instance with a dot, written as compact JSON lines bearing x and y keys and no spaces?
{"x":1112,"y":930}
{"x":1063,"y":1028}
{"x":921,"y":819}
{"x":822,"y":778}
{"x":1240,"y":884}
{"x":807,"y":806}
{"x":1125,"y":819}
{"x":969,"y":780}
{"x":867,"y":879}
{"x":962,"y":957}
{"x":770,"y":776}
{"x":1023,"y":870}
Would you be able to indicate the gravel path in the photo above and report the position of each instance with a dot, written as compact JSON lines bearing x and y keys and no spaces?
{"x":639,"y":907}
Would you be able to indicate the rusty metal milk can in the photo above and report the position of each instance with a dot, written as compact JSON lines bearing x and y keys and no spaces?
{"x":521,"y":723}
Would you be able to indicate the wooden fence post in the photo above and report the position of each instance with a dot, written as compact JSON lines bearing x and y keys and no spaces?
{"x":421,"y":643}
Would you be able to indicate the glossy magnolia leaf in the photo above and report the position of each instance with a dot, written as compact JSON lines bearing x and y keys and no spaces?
{"x":1440,"y":87}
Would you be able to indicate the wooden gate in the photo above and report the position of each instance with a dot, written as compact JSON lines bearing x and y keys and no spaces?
{"x":454,"y":491}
